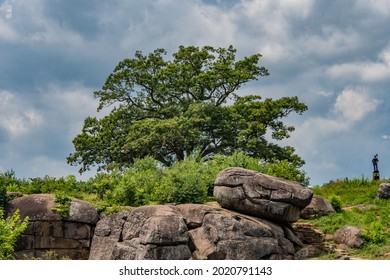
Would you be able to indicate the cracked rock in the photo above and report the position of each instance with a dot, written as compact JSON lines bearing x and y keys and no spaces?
{"x":261,"y":195}
{"x":189,"y":231}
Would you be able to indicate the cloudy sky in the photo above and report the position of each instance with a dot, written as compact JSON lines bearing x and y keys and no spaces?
{"x":333,"y":55}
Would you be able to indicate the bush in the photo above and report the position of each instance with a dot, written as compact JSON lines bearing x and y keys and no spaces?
{"x":285,"y":170}
{"x":3,"y":196}
{"x":147,"y":182}
{"x":335,"y":200}
{"x":62,"y":205}
{"x":7,"y":178}
{"x":10,"y":229}
{"x":375,"y":233}
{"x":137,"y":185}
{"x":186,"y":182}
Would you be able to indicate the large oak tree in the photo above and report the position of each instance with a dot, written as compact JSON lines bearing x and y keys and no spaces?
{"x":169,"y":108}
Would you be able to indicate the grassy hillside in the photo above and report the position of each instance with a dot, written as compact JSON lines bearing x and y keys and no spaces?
{"x":359,"y":207}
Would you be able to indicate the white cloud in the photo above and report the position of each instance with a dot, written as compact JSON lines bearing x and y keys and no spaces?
{"x":70,"y":98}
{"x":69,"y":106}
{"x":298,"y":8}
{"x":367,"y":71}
{"x":7,"y":33}
{"x":381,"y":7}
{"x":325,"y":93}
{"x":350,"y":107}
{"x":6,"y":10}
{"x":173,"y":23}
{"x":25,"y":21}
{"x":331,"y":41}
{"x":17,"y":117}
{"x":354,"y":104}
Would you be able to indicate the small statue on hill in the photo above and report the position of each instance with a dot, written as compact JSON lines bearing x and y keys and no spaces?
{"x":375,"y":161}
{"x":375,"y":174}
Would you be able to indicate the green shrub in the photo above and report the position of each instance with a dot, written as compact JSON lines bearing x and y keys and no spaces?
{"x":277,"y":168}
{"x":137,"y":185}
{"x":285,"y":170}
{"x":102,"y":183}
{"x":147,"y":182}
{"x":10,"y":229}
{"x":186,"y":181}
{"x":3,"y":196}
{"x":335,"y":200}
{"x":375,"y":233}
{"x":62,"y":205}
{"x":6,"y":178}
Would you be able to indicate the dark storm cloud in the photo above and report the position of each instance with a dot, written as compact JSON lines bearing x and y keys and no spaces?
{"x":82,"y":17}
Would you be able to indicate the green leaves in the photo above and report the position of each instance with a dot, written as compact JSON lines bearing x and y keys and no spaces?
{"x":167,"y":108}
{"x":10,"y":229}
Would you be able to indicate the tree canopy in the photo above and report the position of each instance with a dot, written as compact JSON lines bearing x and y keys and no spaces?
{"x":169,"y":108}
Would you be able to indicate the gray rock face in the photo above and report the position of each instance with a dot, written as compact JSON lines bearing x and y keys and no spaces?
{"x":48,"y":231}
{"x":318,"y":206}
{"x":350,"y":236}
{"x":82,"y":212}
{"x":189,"y":231}
{"x":309,"y":251}
{"x":384,"y":191}
{"x":261,"y":195}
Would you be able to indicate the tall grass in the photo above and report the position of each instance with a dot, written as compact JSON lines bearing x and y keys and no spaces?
{"x":361,"y":208}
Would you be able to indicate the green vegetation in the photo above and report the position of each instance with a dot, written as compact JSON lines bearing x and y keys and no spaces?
{"x":359,"y":207}
{"x":7,"y":178}
{"x":168,"y":109}
{"x":62,"y":204}
{"x":10,"y":229}
{"x":146,"y":181}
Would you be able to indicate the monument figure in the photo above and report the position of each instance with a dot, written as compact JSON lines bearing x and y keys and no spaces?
{"x":375,"y":174}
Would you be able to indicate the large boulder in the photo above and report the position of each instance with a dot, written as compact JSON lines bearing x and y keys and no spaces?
{"x":261,"y":195}
{"x":189,"y":231}
{"x":384,"y":191}
{"x":318,"y":207}
{"x":47,"y":230}
{"x":350,"y":236}
{"x":307,"y":252}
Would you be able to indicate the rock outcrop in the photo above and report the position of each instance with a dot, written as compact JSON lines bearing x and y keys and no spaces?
{"x":384,"y":191}
{"x":190,"y":231}
{"x":254,"y":225}
{"x":48,"y":231}
{"x":318,"y":207}
{"x":350,"y":236}
{"x":261,"y":195}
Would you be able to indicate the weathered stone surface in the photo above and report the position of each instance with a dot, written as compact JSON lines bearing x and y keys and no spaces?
{"x":34,"y":206}
{"x":261,"y":195}
{"x":189,"y":231}
{"x":13,"y":195}
{"x":108,"y":233}
{"x":384,"y":191}
{"x":82,"y":212}
{"x":48,"y":231}
{"x":308,"y":251}
{"x":350,"y":236}
{"x":318,"y":207}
